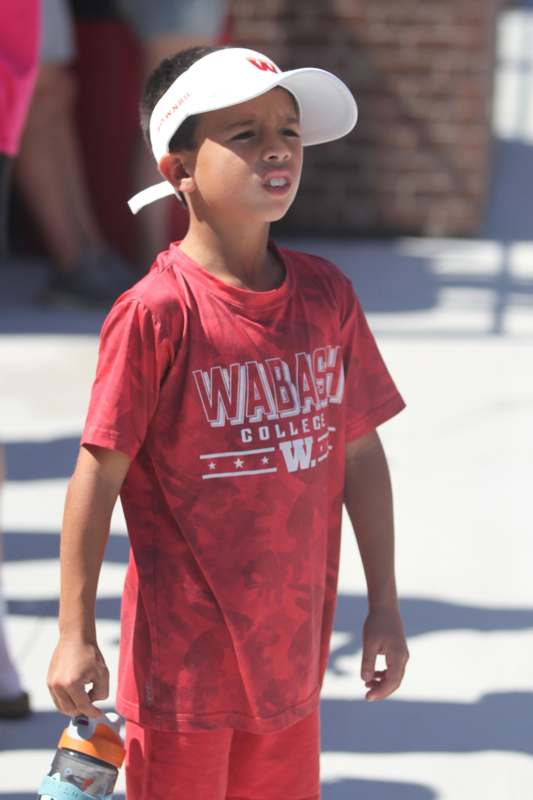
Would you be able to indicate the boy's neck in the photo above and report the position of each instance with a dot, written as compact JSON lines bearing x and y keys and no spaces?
{"x":241,"y":259}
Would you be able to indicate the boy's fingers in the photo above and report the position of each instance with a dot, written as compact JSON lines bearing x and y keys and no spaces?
{"x":378,"y":690}
{"x":72,"y":673}
{"x":382,"y":690}
{"x":60,"y":697}
{"x":368,"y":664}
{"x":100,"y":690}
{"x":392,"y":677}
{"x":81,"y":701}
{"x":62,"y":702}
{"x":72,"y":704}
{"x":396,"y":663}
{"x":376,"y":678}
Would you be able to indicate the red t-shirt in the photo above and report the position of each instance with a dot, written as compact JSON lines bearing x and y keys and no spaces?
{"x":235,"y":407}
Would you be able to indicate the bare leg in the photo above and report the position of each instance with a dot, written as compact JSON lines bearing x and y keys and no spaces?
{"x":9,"y":680}
{"x":49,"y":173}
{"x":5,"y":170}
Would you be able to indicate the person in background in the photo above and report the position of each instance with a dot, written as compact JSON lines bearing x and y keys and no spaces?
{"x":14,"y":700}
{"x":50,"y":178}
{"x":19,"y":33}
{"x":164,"y":27}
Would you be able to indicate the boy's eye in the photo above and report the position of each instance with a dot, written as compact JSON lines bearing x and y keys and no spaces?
{"x":244,"y":135}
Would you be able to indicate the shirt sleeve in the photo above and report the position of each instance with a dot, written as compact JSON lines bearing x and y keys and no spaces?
{"x":371,"y":397}
{"x":133,"y":358}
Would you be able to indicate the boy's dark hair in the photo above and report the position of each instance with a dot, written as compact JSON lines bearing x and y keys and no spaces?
{"x":157,"y":84}
{"x":155,"y":87}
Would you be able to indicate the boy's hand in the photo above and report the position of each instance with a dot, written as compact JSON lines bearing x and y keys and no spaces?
{"x":383,"y":634}
{"x":75,"y":663}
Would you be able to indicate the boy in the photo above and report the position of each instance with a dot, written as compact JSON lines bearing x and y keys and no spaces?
{"x":237,"y":394}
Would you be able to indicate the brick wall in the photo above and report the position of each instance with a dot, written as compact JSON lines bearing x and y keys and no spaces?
{"x":418,"y":161}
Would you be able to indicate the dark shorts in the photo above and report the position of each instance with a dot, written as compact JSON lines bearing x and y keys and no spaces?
{"x":185,"y":18}
{"x":224,"y":764}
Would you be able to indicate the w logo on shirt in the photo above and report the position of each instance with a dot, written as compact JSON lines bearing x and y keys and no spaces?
{"x":263,"y":65}
{"x":297,"y":453}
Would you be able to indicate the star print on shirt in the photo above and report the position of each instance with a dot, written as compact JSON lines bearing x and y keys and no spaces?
{"x":239,"y":463}
{"x":212,"y":465}
{"x":265,"y":460}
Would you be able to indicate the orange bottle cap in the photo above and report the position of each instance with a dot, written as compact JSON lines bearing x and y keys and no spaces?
{"x":104,"y":744}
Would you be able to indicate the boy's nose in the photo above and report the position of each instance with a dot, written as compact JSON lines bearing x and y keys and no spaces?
{"x":277,"y":151}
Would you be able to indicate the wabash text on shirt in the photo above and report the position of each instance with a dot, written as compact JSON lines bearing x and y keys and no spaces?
{"x":279,"y":397}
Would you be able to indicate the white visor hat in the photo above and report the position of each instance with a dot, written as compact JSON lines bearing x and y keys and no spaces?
{"x":234,"y":75}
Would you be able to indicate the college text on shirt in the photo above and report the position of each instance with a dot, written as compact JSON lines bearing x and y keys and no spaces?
{"x":282,"y":400}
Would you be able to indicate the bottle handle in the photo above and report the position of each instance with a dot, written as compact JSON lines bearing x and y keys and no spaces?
{"x":60,"y":790}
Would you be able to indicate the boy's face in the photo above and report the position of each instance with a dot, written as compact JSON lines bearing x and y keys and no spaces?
{"x":238,"y":151}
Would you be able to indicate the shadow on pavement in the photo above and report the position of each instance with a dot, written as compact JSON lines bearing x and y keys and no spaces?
{"x":107,"y":608}
{"x":374,"y":790}
{"x":499,"y":721}
{"x":420,"y":616}
{"x":25,"y":546}
{"x":41,"y":460}
{"x":344,"y":790}
{"x":387,"y":281}
{"x":509,"y":219}
{"x":508,"y":215}
{"x":424,"y":616}
{"x":21,"y":282}
{"x":30,"y":320}
{"x":40,"y":731}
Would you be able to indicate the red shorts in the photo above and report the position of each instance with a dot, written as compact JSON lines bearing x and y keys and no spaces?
{"x":224,"y":764}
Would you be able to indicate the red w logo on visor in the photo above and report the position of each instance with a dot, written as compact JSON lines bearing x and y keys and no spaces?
{"x":263,"y":65}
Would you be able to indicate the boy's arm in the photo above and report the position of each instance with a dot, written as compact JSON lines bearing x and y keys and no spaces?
{"x":91,"y":496}
{"x":368,"y":499}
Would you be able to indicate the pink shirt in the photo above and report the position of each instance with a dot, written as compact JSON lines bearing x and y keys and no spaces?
{"x":19,"y":42}
{"x":235,"y":407}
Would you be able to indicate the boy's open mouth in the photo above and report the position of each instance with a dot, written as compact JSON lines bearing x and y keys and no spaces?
{"x":277,"y":182}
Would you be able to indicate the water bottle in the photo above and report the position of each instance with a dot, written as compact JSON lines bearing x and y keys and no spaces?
{"x":87,"y":760}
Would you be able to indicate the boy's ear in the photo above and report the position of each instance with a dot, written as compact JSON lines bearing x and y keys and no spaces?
{"x":173,"y":170}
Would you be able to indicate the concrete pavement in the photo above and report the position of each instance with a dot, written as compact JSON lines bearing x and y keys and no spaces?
{"x":461,"y":465}
{"x":454,"y":321}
